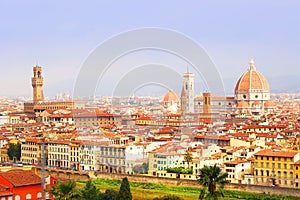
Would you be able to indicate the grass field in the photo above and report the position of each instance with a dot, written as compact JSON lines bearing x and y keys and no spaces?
{"x":149,"y":191}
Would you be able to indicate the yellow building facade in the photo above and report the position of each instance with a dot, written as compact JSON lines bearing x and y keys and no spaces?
{"x":276,"y":168}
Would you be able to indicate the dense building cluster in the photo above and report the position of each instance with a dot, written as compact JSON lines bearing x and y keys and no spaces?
{"x":253,"y":139}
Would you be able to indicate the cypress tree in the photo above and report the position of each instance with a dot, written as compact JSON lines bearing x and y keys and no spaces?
{"x":124,"y":193}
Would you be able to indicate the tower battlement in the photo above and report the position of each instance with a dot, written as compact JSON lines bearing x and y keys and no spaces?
{"x":37,"y":83}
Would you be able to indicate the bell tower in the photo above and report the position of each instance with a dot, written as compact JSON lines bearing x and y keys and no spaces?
{"x":206,"y":103}
{"x":187,"y":94}
{"x":37,"y":82}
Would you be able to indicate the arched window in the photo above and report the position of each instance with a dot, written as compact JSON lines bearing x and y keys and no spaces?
{"x":28,"y":196}
{"x":17,"y":197}
{"x":39,"y":195}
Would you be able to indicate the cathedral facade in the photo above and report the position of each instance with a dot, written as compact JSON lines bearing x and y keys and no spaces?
{"x":251,"y":96}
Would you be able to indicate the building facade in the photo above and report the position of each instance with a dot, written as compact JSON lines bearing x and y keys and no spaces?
{"x":275,"y":168}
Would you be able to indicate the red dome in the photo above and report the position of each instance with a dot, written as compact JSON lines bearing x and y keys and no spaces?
{"x":171,"y":96}
{"x":252,"y":80}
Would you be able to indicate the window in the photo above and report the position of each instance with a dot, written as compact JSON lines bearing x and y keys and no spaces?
{"x":17,"y":197}
{"x":279,"y":165}
{"x":39,"y":195}
{"x":28,"y":196}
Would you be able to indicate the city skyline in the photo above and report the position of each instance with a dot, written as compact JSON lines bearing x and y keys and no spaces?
{"x":45,"y":34}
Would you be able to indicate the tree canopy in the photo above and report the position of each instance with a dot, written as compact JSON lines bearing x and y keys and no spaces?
{"x":65,"y":191}
{"x":90,"y":192}
{"x":110,"y":195}
{"x":210,"y":177}
{"x":124,"y":193}
{"x":14,"y":150}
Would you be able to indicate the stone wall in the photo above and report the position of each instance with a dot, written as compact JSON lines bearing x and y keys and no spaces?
{"x":75,"y":175}
{"x":281,"y":191}
{"x":62,"y":174}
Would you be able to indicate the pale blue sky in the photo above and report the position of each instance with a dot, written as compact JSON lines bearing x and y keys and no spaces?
{"x":59,"y":35}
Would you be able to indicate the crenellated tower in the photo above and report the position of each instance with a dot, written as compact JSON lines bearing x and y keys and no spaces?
{"x":37,"y":82}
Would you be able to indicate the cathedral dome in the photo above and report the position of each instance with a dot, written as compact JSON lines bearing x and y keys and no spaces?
{"x":252,"y":80}
{"x":170,"y":99}
{"x":171,"y":96}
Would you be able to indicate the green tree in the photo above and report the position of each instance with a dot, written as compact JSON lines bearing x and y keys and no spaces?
{"x":124,"y":193}
{"x":14,"y":150}
{"x":90,"y":192}
{"x":110,"y":195}
{"x":65,"y":191}
{"x":188,"y":158}
{"x":210,"y":177}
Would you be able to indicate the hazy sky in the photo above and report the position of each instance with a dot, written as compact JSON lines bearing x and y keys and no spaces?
{"x":59,"y":35}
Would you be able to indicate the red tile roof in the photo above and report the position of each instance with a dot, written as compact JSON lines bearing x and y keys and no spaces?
{"x":213,"y":137}
{"x":235,"y":162}
{"x":268,"y":152}
{"x":21,"y":177}
{"x":4,"y":191}
{"x":297,"y":163}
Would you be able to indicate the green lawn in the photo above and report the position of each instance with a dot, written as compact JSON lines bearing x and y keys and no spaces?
{"x":151,"y":190}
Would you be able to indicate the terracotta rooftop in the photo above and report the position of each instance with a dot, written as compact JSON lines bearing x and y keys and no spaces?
{"x":21,"y":177}
{"x":235,"y":162}
{"x":297,"y":163}
{"x":268,"y":152}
